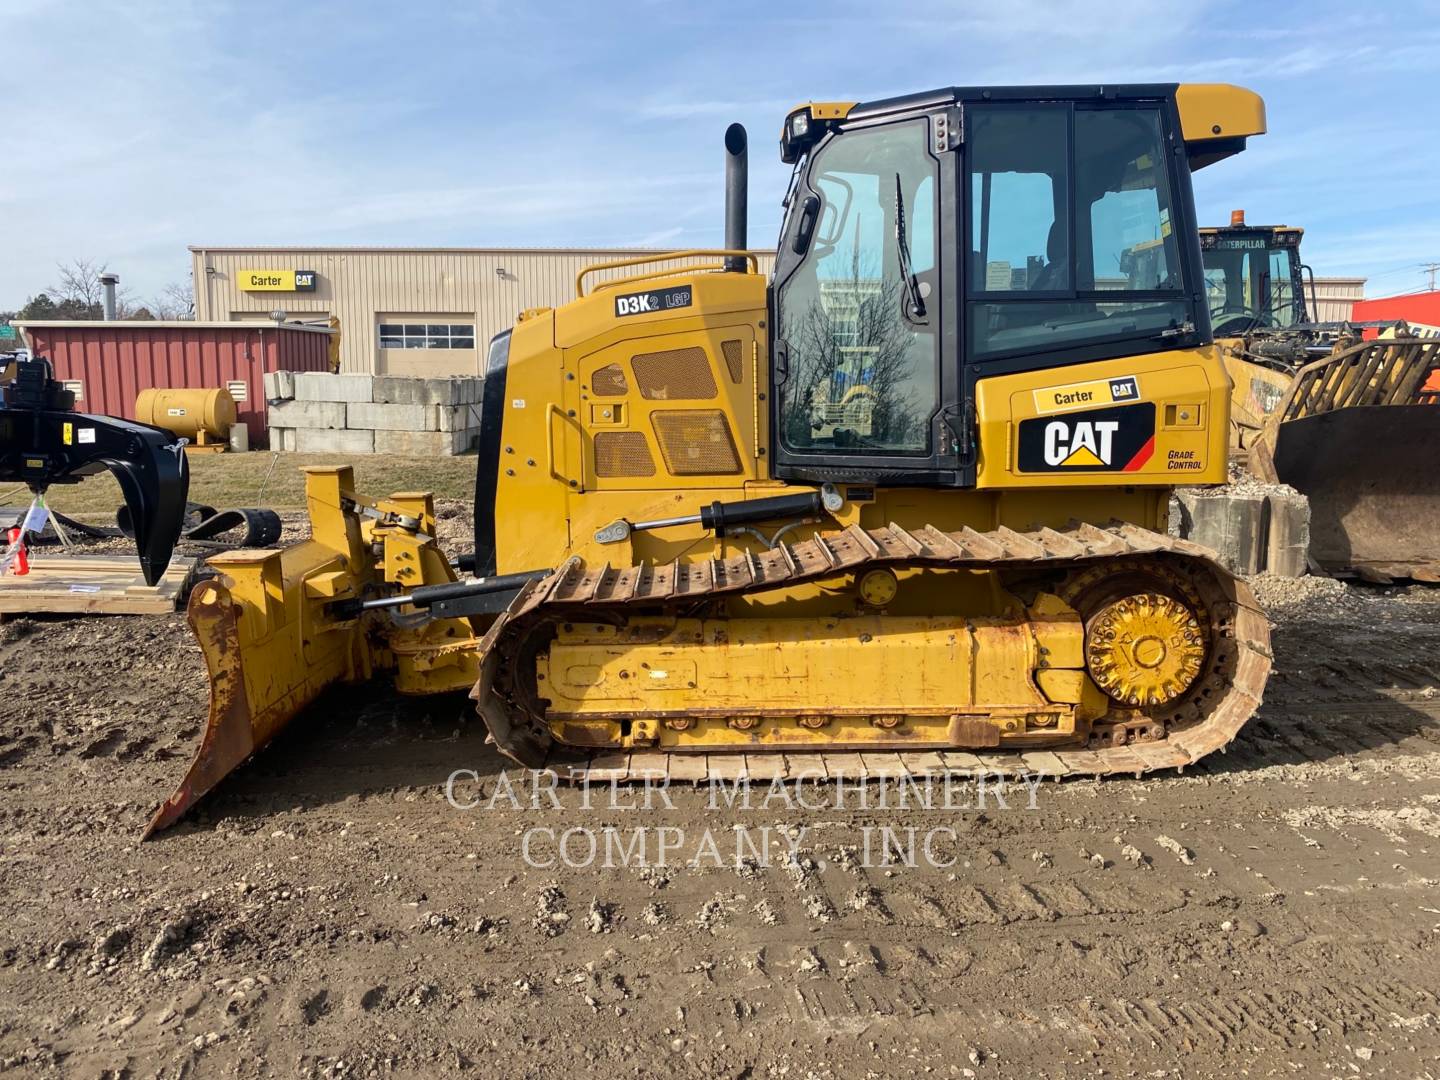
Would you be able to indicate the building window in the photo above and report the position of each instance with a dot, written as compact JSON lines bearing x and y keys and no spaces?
{"x":427,"y":335}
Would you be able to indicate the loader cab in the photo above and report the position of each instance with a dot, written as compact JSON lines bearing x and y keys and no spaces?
{"x":1254,"y":279}
{"x":933,"y":240}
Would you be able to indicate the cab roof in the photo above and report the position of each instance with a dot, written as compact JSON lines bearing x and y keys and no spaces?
{"x":1215,"y":118}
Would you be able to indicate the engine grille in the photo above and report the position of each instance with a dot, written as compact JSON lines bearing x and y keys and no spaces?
{"x":622,"y":453}
{"x":675,"y":375}
{"x":731,"y":349}
{"x":609,"y":381}
{"x":695,"y":442}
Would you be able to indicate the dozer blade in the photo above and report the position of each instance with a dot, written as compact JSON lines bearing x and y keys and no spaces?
{"x":1372,"y":475}
{"x":277,"y":628}
{"x":1358,"y":433}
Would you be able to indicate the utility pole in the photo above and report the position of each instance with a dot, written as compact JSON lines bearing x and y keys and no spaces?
{"x":1431,"y":269}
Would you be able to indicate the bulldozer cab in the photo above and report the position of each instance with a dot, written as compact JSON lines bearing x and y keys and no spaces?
{"x":1254,"y":279}
{"x":933,"y":240}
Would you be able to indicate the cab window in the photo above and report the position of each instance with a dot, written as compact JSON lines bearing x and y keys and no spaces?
{"x":862,"y":375}
{"x":1071,"y":228}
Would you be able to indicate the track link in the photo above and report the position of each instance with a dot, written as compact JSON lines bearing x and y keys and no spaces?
{"x":1204,"y":720}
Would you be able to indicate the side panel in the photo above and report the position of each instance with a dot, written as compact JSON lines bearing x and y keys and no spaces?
{"x":632,"y":397}
{"x":1160,"y":419}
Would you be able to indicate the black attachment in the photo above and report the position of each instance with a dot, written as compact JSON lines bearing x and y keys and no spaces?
{"x":438,"y":597}
{"x":737,"y":197}
{"x":42,"y":443}
{"x":719,"y":516}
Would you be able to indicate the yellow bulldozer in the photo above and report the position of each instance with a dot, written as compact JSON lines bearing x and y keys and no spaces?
{"x":1343,"y":412}
{"x":899,"y":508}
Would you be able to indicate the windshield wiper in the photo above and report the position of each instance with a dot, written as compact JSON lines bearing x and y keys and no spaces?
{"x":902,"y":249}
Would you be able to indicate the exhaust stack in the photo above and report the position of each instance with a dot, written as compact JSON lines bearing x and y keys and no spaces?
{"x":107,"y":300}
{"x":737,"y":197}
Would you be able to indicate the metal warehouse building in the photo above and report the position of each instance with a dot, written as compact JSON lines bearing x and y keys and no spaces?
{"x":401,"y":311}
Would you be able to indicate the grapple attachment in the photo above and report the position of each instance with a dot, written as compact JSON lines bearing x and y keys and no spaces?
{"x":44,"y":442}
{"x":1359,"y":434}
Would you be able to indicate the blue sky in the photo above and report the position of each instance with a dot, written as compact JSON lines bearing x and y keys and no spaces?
{"x":134,"y":129}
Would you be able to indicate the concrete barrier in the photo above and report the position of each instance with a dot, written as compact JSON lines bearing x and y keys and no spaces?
{"x":383,"y":414}
{"x":309,"y":414}
{"x":319,"y":441}
{"x":323,"y":386}
{"x":1251,"y":530}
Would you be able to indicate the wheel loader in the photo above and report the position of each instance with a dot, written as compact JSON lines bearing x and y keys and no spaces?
{"x":899,"y":508}
{"x":1351,"y":423}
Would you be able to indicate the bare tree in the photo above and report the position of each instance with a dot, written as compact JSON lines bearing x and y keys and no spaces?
{"x":175,"y":301}
{"x":81,"y":292}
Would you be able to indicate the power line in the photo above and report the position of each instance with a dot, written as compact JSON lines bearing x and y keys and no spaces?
{"x":1432,"y":269}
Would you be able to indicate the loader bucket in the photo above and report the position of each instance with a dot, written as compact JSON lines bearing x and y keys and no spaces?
{"x":1359,"y":435}
{"x":1372,"y":475}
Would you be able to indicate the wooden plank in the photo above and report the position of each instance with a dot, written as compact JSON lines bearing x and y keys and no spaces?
{"x":92,"y":584}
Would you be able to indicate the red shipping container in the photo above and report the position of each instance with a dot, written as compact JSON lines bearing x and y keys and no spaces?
{"x":114,"y":361}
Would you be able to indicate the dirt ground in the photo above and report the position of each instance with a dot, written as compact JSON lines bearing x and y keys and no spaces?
{"x":327,"y":912}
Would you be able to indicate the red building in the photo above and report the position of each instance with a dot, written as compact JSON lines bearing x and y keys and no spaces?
{"x":107,"y":364}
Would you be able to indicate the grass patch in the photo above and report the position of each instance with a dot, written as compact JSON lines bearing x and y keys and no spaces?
{"x":263,"y":478}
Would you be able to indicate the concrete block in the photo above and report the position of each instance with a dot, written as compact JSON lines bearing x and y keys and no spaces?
{"x":459,"y":417}
{"x":399,"y":390}
{"x":1287,"y":541}
{"x":470,"y":390}
{"x":307,"y":414}
{"x":281,"y":438}
{"x":317,"y":441}
{"x":412,"y":390}
{"x":391,"y":417}
{"x":279,"y":385}
{"x":1233,"y":526}
{"x":422,"y":443}
{"x":322,"y":386}
{"x":444,"y":391}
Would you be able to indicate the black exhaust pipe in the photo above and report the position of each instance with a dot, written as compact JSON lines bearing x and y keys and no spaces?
{"x":737,"y":196}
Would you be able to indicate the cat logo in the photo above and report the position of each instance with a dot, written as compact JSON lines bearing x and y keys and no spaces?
{"x":1083,"y":444}
{"x":1118,"y":439}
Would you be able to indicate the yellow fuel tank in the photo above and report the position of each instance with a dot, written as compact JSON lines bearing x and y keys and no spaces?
{"x":202,"y":415}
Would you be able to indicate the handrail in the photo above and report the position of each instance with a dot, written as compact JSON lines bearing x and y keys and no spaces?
{"x":553,"y":410}
{"x":664,"y":256}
